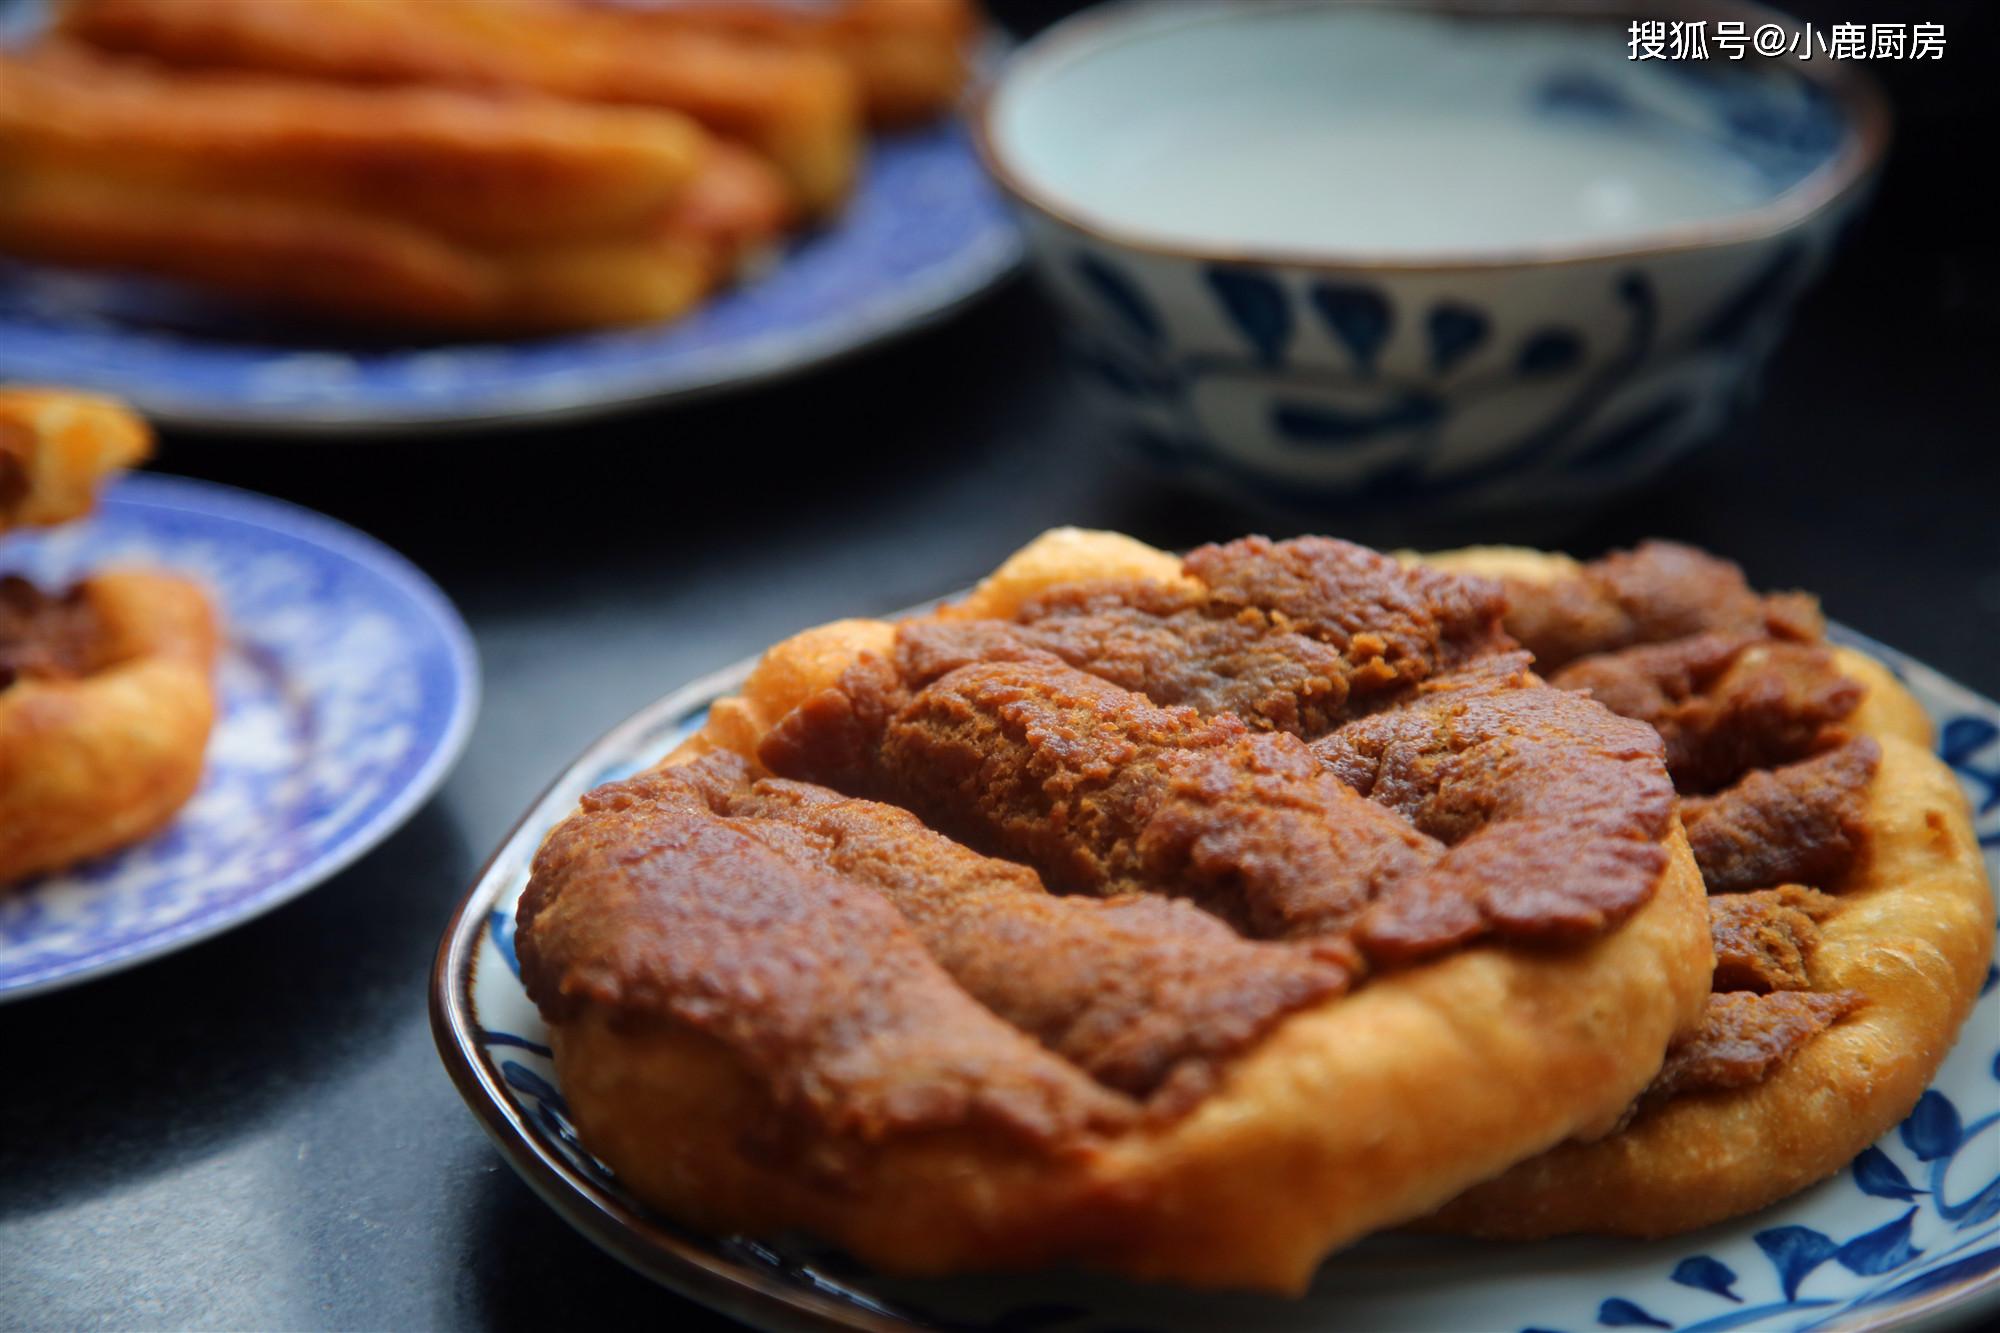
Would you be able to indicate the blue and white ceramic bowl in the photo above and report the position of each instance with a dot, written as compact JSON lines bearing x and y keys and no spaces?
{"x":1910,"y":1233}
{"x":1333,"y":252}
{"x":347,"y":687}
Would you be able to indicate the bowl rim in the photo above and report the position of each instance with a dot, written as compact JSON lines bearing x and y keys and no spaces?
{"x":1858,"y":94}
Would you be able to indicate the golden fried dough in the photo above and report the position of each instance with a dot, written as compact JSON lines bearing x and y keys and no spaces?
{"x":796,"y":106}
{"x":56,"y":448}
{"x":1353,"y":1113}
{"x":418,"y":208}
{"x":358,"y":266}
{"x":105,"y":710}
{"x":494,"y":170}
{"x":909,"y":57}
{"x":343,"y":264}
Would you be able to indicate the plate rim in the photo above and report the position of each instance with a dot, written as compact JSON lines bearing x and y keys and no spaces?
{"x":215,"y":499}
{"x":930,"y":299}
{"x":632,"y":1239}
{"x":738,"y":1290}
{"x":795,"y":357}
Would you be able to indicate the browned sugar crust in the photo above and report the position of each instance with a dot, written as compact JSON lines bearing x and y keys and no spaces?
{"x":649,"y":905}
{"x":1549,"y":806}
{"x":1801,"y":823}
{"x":1764,"y":941}
{"x":1745,"y":1037}
{"x":848,"y":950}
{"x":1742,"y":691}
{"x":1104,"y":792}
{"x":1293,"y":636}
{"x":46,"y":636}
{"x":1723,"y":704}
{"x":1751,"y":706}
{"x":1655,"y":593}
{"x":1143,"y":993}
{"x":15,"y":445}
{"x":1764,"y":1008}
{"x":1552,"y":806}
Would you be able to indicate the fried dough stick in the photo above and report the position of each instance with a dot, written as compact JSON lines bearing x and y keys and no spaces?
{"x":384,"y":205}
{"x":354,"y":265}
{"x":475,"y":168}
{"x":909,"y":57}
{"x":796,"y":106}
{"x":56,"y":448}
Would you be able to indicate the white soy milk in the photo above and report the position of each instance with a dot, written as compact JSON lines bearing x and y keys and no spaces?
{"x":1371,"y":131}
{"x":1406,"y":181}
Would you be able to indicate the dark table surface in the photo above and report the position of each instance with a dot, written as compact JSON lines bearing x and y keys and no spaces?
{"x":257,"y":1132}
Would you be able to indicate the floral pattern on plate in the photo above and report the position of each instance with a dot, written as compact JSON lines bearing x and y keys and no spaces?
{"x":347,"y":687}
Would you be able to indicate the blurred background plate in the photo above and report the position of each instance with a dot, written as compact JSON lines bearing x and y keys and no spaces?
{"x":1910,"y":1232}
{"x":347,"y":686}
{"x":924,"y":232}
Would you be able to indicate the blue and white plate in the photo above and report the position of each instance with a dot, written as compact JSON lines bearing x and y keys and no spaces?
{"x":924,"y":232}
{"x":1911,"y":1232}
{"x":347,"y":687}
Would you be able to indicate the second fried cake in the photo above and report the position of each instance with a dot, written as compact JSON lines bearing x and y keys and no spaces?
{"x":1849,"y":906}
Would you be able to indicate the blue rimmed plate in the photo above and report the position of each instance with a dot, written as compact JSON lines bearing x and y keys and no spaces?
{"x":1910,"y":1233}
{"x":924,"y":233}
{"x":347,"y":686}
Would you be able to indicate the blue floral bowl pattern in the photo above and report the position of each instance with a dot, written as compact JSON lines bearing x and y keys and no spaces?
{"x":1488,"y":374}
{"x":925,"y":232}
{"x":347,"y":687}
{"x":1911,"y":1229}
